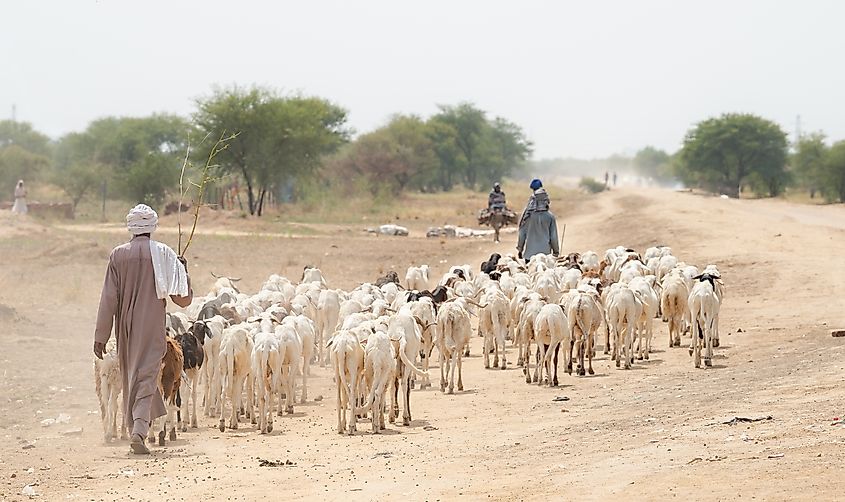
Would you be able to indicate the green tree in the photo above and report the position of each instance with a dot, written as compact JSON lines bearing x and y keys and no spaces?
{"x":74,"y":168}
{"x":721,"y":154}
{"x":139,"y":156}
{"x":18,"y":163}
{"x":653,"y":163}
{"x":808,"y":162}
{"x":24,"y":136}
{"x":476,"y":148}
{"x":397,"y":156}
{"x":833,"y":173}
{"x":24,"y":154}
{"x":509,"y":149}
{"x":281,"y":137}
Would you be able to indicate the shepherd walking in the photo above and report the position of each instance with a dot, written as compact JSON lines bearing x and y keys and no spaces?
{"x":20,"y":199}
{"x":538,"y":226}
{"x":141,"y":275}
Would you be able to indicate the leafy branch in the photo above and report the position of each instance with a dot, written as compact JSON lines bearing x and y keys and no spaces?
{"x":205,"y":178}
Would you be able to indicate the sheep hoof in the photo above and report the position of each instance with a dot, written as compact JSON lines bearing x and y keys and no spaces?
{"x":504,"y":366}
{"x":289,"y":410}
{"x":461,"y":387}
{"x":590,"y":371}
{"x":161,"y":438}
{"x":606,"y":351}
{"x":486,"y":365}
{"x":451,"y":391}
{"x":715,"y":343}
{"x":708,"y":362}
{"x":222,"y":426}
{"x":617,"y":363}
{"x":406,"y":421}
{"x":173,"y":434}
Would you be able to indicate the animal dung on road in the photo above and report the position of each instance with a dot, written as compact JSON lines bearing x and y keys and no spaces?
{"x":837,"y":333}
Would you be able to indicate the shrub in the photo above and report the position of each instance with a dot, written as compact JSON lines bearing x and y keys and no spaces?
{"x":591,"y":185}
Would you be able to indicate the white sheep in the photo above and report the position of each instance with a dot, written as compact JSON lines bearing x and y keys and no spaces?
{"x":584,"y":315}
{"x":347,"y":359}
{"x":266,"y":368}
{"x":453,"y":334}
{"x":623,"y":311}
{"x":493,"y":325}
{"x":108,"y":385}
{"x":674,"y":303}
{"x":704,"y":309}
{"x":551,"y":330}
{"x":234,"y":369}
{"x":379,"y":368}
{"x":645,"y":325}
{"x":403,"y":329}
{"x":304,"y":328}
{"x":290,"y":357}
{"x":416,"y":278}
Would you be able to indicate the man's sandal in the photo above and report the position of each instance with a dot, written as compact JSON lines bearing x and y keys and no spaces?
{"x":138,"y":446}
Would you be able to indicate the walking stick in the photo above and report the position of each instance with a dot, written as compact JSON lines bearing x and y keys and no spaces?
{"x":562,"y":235}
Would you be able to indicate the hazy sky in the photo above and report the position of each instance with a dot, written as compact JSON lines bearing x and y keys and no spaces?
{"x":584,"y":79}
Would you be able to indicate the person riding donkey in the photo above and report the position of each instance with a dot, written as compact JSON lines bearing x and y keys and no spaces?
{"x":496,"y":200}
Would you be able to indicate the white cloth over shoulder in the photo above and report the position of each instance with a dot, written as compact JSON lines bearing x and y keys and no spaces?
{"x":171,"y":277}
{"x":142,"y":219}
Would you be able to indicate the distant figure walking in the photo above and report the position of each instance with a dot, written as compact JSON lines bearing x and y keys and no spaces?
{"x":606,"y":178}
{"x":614,"y":179}
{"x":20,"y":199}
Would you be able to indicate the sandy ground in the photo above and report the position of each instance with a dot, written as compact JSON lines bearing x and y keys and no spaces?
{"x":653,"y":432}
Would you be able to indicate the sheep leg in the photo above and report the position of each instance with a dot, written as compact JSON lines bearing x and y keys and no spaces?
{"x":394,"y":402}
{"x":487,"y":342}
{"x":182,"y":416}
{"x":541,"y":362}
{"x":194,"y":392}
{"x":590,"y":355}
{"x":151,"y":435}
{"x":557,"y":351}
{"x":269,"y":412}
{"x":237,"y":390}
{"x":443,"y":369}
{"x":262,"y":405}
{"x":453,"y":363}
{"x":406,"y":396}
{"x":352,"y":396}
{"x":459,"y":363}
{"x":289,"y":375}
{"x":222,"y":422}
{"x":715,"y":333}
{"x":306,"y":371}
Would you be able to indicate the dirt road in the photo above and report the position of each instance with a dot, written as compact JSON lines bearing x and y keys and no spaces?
{"x":653,"y":432}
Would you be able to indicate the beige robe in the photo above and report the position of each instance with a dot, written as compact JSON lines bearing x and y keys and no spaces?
{"x":129,"y":300}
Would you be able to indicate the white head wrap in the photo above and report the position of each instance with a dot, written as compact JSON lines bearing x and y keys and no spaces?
{"x":142,"y":219}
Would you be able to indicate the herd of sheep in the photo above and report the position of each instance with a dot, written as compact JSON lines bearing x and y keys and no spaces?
{"x":251,"y":355}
